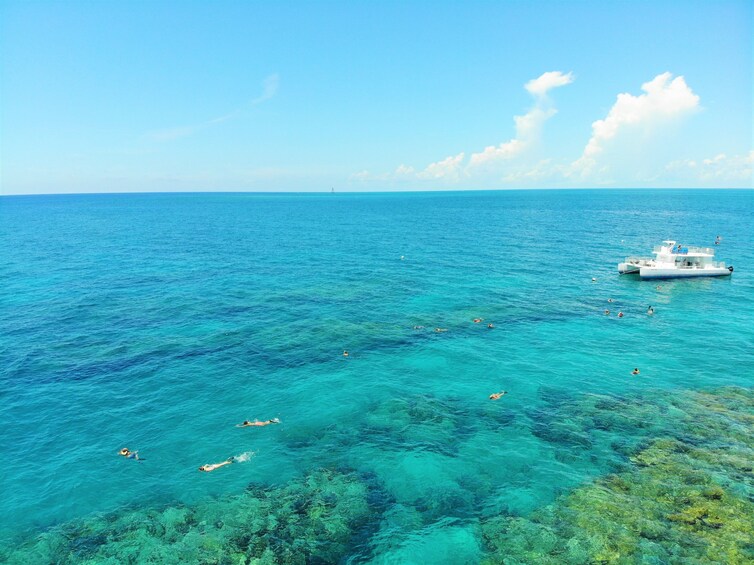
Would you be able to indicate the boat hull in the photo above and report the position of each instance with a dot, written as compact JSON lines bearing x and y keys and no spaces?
{"x":671,"y":273}
{"x":628,"y":269}
{"x":633,"y":266}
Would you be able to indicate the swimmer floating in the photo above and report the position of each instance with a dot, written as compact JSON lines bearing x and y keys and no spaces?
{"x":247,"y":423}
{"x":128,"y":454}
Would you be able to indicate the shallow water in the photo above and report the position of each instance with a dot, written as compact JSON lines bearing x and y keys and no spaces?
{"x":158,"y":322}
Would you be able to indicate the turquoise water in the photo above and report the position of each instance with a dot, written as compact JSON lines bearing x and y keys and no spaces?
{"x":158,"y":322}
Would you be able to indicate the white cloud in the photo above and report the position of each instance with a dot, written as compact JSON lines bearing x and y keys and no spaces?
{"x":448,"y":168}
{"x":735,"y":170}
{"x":506,"y":150}
{"x":716,"y":160}
{"x":404,"y":171}
{"x":663,"y":99}
{"x":361,"y":176}
{"x":547,"y":81}
{"x":528,"y":130}
{"x":528,"y":126}
{"x":367,"y":176}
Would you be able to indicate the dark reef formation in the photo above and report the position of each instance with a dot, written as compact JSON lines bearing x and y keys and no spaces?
{"x":679,"y":489}
{"x":307,"y":521}
{"x":685,"y":496}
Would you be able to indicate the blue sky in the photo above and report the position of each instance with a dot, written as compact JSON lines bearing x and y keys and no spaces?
{"x":304,"y":96}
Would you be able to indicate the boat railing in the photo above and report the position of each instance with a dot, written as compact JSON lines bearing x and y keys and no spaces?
{"x":683,"y":250}
{"x":701,"y":250}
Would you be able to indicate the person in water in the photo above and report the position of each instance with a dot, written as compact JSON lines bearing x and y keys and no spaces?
{"x":620,"y":314}
{"x":345,"y":354}
{"x":212,"y":466}
{"x":635,"y":371}
{"x":650,"y":311}
{"x":607,"y":312}
{"x":498,"y":395}
{"x":491,"y":326}
{"x":440,"y":330}
{"x":128,"y":454}
{"x":609,"y":299}
{"x":477,"y":320}
{"x":418,"y":327}
{"x":247,"y":423}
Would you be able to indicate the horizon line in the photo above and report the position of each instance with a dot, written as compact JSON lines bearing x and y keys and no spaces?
{"x":293,"y":192}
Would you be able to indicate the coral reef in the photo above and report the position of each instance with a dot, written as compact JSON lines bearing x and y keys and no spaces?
{"x":686,"y":497}
{"x":307,"y":521}
{"x":679,"y":488}
{"x":424,"y":422}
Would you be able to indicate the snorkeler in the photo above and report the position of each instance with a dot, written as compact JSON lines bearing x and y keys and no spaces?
{"x":128,"y":454}
{"x":418,"y":327}
{"x":211,"y":467}
{"x":497,"y":395}
{"x":635,"y":371}
{"x":477,"y":320}
{"x":440,"y":330}
{"x":247,"y":423}
{"x":650,"y":311}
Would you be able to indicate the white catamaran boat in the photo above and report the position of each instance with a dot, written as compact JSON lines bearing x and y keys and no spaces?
{"x":671,"y":261}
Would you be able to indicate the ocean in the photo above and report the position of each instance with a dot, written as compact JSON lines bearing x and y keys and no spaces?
{"x":158,"y":322}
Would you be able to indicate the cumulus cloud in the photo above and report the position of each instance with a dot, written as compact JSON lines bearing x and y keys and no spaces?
{"x":528,"y":130}
{"x":528,"y":126}
{"x":404,"y":171}
{"x":721,"y":169}
{"x":448,"y":168}
{"x":547,"y":81}
{"x":663,"y":99}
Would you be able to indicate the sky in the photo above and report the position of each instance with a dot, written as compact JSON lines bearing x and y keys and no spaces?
{"x":141,"y":96}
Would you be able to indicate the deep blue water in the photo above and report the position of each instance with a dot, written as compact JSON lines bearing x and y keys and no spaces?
{"x":159,"y":321}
